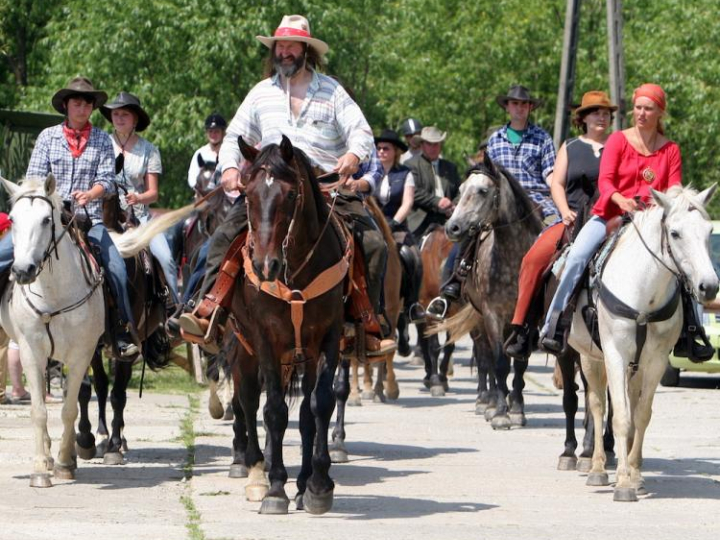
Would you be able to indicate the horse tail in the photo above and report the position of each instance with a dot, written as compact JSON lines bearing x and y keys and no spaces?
{"x":131,"y":242}
{"x":459,"y":325}
{"x":156,"y":350}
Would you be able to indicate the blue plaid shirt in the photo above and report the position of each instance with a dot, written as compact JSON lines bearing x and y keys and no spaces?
{"x":530,"y":162}
{"x":372,"y":171}
{"x":95,"y":166}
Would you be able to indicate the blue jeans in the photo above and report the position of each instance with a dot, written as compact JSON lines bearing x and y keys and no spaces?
{"x":115,"y":269}
{"x":586,"y":244}
{"x":198,"y":272}
{"x":6,"y":252}
{"x":160,"y":248}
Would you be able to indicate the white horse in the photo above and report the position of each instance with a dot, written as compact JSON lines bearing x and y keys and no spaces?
{"x":669,"y":242}
{"x":55,"y":309}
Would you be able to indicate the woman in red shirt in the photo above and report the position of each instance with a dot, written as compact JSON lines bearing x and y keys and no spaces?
{"x":634,"y":161}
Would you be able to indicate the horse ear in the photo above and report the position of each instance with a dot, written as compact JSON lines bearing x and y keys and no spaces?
{"x":286,"y":149}
{"x":705,"y":196}
{"x":247,"y":151}
{"x":201,"y":161}
{"x":489,"y":163}
{"x":662,"y":199}
{"x":9,"y":186}
{"x":49,"y":184}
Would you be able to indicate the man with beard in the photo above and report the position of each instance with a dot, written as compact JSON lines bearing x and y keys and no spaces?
{"x":318,"y":116}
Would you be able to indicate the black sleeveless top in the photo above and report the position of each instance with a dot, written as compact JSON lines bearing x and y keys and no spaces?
{"x":582,"y":162}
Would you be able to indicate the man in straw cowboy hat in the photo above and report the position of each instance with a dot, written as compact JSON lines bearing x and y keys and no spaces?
{"x":318,"y":117}
{"x":81,"y":158}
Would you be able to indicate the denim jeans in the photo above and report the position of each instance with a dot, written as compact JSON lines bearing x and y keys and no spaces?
{"x":160,"y":248}
{"x":7,"y":256}
{"x":198,"y":272}
{"x":115,"y":269}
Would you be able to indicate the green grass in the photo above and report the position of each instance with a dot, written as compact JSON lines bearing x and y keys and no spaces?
{"x":187,"y":435}
{"x":171,"y":380}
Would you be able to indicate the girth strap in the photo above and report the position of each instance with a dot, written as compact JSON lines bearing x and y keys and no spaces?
{"x":641,"y":318}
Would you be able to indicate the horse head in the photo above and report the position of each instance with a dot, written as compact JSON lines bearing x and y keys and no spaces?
{"x":208,"y":177}
{"x":274,"y":191}
{"x":687,"y":229}
{"x":36,"y":224}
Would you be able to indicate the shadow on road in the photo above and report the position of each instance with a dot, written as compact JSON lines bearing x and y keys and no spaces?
{"x":371,"y":508}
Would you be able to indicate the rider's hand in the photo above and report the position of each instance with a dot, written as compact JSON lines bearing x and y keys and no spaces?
{"x":230,"y":179}
{"x":628,"y":205}
{"x":347,"y":165}
{"x":82,"y":197}
{"x":568,"y":218}
{"x":444,"y":203}
{"x":132,"y":198}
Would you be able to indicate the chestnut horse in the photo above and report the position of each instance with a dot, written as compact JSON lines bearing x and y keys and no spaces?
{"x":288,"y":315}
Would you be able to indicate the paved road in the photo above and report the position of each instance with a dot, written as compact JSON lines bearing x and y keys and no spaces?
{"x":420,"y":468}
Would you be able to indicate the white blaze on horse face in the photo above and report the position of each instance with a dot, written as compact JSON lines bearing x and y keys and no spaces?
{"x":474,"y":192}
{"x":31,"y":231}
{"x":269,"y":181}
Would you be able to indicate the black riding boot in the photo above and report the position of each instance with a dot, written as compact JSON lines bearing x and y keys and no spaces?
{"x":519,"y":343}
{"x":692,"y":332}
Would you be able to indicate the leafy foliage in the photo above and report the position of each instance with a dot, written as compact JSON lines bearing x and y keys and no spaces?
{"x":443,"y":61}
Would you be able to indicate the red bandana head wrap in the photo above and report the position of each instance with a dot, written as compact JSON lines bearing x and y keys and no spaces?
{"x":651,"y":91}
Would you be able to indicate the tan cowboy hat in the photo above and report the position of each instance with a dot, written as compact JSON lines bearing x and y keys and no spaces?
{"x":432,"y":135}
{"x":294,"y":28}
{"x":78,"y":86}
{"x":595,"y":99}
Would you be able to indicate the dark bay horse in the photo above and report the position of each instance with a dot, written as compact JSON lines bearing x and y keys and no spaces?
{"x":494,"y":208}
{"x":295,"y":250}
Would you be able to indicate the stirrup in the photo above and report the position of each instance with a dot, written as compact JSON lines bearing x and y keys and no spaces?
{"x":437,"y":309}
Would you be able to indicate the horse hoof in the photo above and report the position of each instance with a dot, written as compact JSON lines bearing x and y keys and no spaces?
{"x":317,"y":504}
{"x":480,"y":408}
{"x":567,"y":463}
{"x":113,"y":458}
{"x":101,"y":448}
{"x":437,"y":391}
{"x":393,"y":393}
{"x":416,"y":361}
{"x":501,"y":422}
{"x":64,"y":473}
{"x":379,"y":398}
{"x":518,"y":419}
{"x":229,"y":415}
{"x":584,"y":464}
{"x":299,"y":505}
{"x":489,"y":413}
{"x":597,"y":479}
{"x":641,"y":490}
{"x":338,"y":455}
{"x":426,"y":383}
{"x":274,"y":506}
{"x":256,"y":492}
{"x":367,"y":394}
{"x":86,"y":453}
{"x":624,"y":494}
{"x":354,"y":401}
{"x":238,"y":470}
{"x":40,"y":480}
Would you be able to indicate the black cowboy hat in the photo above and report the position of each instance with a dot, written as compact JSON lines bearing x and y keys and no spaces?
{"x":518,"y":93}
{"x":126,"y":100}
{"x":79,"y":86}
{"x":390,"y":136}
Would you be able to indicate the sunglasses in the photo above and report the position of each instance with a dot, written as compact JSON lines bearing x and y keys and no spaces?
{"x":384,"y":148}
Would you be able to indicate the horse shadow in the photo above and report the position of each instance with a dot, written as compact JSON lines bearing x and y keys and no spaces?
{"x":379,"y":507}
{"x":394,"y":452}
{"x":682,"y":478}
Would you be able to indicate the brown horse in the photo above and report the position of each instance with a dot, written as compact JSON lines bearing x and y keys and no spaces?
{"x":293,"y":249}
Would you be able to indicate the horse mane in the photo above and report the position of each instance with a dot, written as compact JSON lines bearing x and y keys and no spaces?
{"x":525,"y":207}
{"x":685,"y":197}
{"x":270,"y":155}
{"x":36,"y":185}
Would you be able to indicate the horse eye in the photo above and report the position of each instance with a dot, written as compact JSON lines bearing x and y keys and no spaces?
{"x":46,"y":220}
{"x":483,"y":191}
{"x":291,"y":195}
{"x":675,"y":234}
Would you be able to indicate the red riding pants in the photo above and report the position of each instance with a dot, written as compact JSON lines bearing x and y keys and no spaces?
{"x":533,"y":264}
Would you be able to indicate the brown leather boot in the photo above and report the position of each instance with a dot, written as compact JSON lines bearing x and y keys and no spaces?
{"x":375,"y":346}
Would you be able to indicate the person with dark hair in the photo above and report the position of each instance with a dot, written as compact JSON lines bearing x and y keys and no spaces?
{"x":319,"y":117}
{"x":215,"y":126}
{"x":81,"y":157}
{"x":574,"y":182}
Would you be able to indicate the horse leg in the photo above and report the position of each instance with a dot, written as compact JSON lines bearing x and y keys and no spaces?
{"x":609,"y":436}
{"x":354,"y":399}
{"x":341,"y":387}
{"x":367,"y":392}
{"x":85,"y":441}
{"x":101,"y":383}
{"x":249,"y":397}
{"x":318,"y":498}
{"x":118,"y":400}
{"x":501,"y":420}
{"x":596,"y":378}
{"x":418,"y":358}
{"x":448,"y":350}
{"x":225,"y":393}
{"x":275,"y":414}
{"x":517,"y":402}
{"x":66,"y":463}
{"x":35,"y":373}
{"x":566,"y":362}
{"x":240,"y":440}
{"x":480,"y":358}
{"x":392,"y":389}
{"x":446,"y":365}
{"x":307,"y":431}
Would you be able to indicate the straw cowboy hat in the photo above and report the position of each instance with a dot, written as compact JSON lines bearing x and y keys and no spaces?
{"x":294,"y":28}
{"x":390,"y":136}
{"x":126,"y":100}
{"x":595,"y":99}
{"x":78,"y":86}
{"x":432,"y":134}
{"x":518,"y":93}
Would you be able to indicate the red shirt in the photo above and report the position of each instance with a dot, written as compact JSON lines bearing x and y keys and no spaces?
{"x":624,"y":170}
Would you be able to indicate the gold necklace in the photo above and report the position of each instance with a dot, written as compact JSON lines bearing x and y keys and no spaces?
{"x":648,"y":148}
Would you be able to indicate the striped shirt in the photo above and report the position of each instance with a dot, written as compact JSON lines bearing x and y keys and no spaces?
{"x":530,"y":162}
{"x":330,"y":123}
{"x":95,"y":166}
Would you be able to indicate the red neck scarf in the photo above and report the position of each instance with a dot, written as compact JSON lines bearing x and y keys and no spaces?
{"x":77,"y":139}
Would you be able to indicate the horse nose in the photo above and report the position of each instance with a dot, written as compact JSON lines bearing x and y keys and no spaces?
{"x":24,"y":275}
{"x":452,"y":229}
{"x":709,"y":289}
{"x":272,"y":269}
